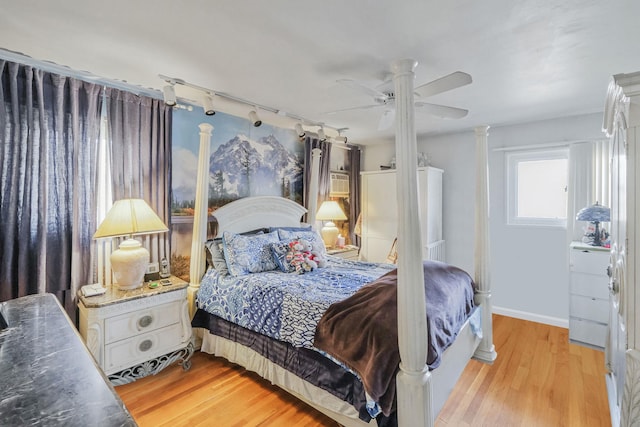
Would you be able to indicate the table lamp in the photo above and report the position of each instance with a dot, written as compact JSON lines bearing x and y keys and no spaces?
{"x":595,"y":214}
{"x":129,"y":217}
{"x":330,"y":210}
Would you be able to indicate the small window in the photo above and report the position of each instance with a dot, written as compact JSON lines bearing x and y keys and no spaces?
{"x":537,"y":187}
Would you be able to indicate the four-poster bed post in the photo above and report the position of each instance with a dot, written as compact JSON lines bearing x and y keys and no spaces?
{"x":414,"y":379}
{"x":200,"y":217}
{"x":486,"y":351}
{"x":312,"y":203}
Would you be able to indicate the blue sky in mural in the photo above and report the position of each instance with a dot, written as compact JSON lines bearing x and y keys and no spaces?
{"x":276,"y":155}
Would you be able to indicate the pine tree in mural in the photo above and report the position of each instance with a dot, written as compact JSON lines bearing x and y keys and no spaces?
{"x":216,"y":190}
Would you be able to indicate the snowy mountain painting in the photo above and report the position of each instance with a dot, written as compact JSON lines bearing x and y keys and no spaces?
{"x":245,"y":160}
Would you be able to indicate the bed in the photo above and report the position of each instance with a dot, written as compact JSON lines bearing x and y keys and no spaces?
{"x":316,"y":376}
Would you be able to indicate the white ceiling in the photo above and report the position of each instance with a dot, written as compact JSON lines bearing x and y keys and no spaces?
{"x":530,"y":59}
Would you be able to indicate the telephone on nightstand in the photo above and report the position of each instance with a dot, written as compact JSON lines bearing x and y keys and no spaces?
{"x":93,"y":290}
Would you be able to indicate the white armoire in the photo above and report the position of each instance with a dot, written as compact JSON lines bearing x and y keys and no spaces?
{"x":622,"y":347}
{"x":380,"y":213}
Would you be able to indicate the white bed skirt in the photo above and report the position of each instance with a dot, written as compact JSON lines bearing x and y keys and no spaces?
{"x":444,"y":378}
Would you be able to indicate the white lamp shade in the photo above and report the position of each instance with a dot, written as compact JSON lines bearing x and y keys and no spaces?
{"x":129,"y":217}
{"x":330,"y":210}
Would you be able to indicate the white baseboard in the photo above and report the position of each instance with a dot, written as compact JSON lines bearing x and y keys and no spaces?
{"x":532,"y":317}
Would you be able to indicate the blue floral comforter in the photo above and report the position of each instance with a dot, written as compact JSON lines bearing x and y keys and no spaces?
{"x":285,"y":306}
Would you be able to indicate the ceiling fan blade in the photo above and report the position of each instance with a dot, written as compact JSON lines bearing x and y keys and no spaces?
{"x":362,"y":88}
{"x":443,"y":84}
{"x":387,"y":118}
{"x":442,"y":110}
{"x":362,"y":107}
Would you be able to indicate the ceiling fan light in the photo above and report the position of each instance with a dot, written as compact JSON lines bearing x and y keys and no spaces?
{"x":299,"y":130}
{"x":255,"y":120}
{"x":169,"y":95}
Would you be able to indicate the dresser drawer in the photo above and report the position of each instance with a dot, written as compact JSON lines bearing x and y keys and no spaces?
{"x":137,"y":322}
{"x":587,"y":332}
{"x":125,"y":353}
{"x":589,"y":308}
{"x":589,"y":261}
{"x":590,"y":285}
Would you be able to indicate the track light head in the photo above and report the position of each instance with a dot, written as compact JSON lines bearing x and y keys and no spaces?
{"x":341,"y":138}
{"x":254,"y":119}
{"x":300,"y":131}
{"x":321,"y":135}
{"x":207,"y":104}
{"x":169,"y":95}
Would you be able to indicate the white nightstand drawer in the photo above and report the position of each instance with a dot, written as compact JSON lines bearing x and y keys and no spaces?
{"x":589,"y":261}
{"x":589,"y":308}
{"x":587,"y":332}
{"x":590,"y":285}
{"x":125,"y":353}
{"x":129,"y":324}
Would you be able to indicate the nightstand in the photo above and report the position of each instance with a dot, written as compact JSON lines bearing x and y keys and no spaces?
{"x":347,"y":252}
{"x":135,"y":333}
{"x":588,"y":294}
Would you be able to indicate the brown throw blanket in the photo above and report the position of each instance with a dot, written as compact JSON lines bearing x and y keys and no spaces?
{"x":362,"y":330}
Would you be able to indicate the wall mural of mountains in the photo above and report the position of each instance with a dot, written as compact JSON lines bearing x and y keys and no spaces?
{"x":244,"y":167}
{"x":245,"y":160}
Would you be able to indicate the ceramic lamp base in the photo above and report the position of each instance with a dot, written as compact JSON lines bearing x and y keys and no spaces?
{"x":329,"y":234}
{"x":129,"y":263}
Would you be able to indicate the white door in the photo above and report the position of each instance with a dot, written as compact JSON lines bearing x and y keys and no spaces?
{"x":616,"y":343}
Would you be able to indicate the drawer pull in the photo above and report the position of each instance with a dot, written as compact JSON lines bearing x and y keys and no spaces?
{"x":145,"y":321}
{"x":145,"y":345}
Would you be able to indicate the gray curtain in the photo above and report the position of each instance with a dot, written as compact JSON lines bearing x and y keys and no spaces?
{"x":140,"y":135}
{"x":354,"y":192}
{"x":50,"y":127}
{"x":324,"y":183}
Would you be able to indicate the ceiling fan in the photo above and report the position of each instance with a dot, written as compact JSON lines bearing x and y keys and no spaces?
{"x":384,"y":98}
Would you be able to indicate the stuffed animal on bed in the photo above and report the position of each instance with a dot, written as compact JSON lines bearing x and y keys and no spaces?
{"x":313,"y":256}
{"x":303,"y":258}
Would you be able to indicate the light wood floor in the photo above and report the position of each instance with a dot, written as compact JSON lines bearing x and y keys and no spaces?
{"x":539,"y":379}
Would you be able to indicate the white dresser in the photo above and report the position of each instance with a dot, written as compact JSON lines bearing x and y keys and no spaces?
{"x":588,"y":294}
{"x":380,"y":213}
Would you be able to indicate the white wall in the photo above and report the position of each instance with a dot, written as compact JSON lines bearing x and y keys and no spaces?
{"x":529,"y":265}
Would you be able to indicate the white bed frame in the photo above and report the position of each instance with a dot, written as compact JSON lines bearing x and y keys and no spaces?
{"x":420,"y":392}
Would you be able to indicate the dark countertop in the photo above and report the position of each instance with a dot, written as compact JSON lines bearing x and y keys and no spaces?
{"x":47,"y":375}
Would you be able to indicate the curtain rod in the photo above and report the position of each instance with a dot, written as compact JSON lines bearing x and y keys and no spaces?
{"x":547,"y":144}
{"x":86,"y":76}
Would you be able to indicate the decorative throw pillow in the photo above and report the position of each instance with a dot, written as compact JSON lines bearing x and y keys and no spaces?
{"x":215,"y":256}
{"x":311,"y":236}
{"x":283,"y":255}
{"x":215,"y":252}
{"x":249,"y":254}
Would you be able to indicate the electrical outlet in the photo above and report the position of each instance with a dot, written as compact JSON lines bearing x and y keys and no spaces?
{"x":153,"y":267}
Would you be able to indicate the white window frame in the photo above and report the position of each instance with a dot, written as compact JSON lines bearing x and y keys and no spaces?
{"x":512,"y":159}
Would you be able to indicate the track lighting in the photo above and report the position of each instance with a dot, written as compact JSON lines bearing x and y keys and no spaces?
{"x":169,"y":95}
{"x":207,"y":104}
{"x":210,"y":100}
{"x":254,"y":119}
{"x":321,"y":136}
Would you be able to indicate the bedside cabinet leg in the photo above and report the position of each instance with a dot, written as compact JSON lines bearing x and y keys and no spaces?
{"x":152,"y":367}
